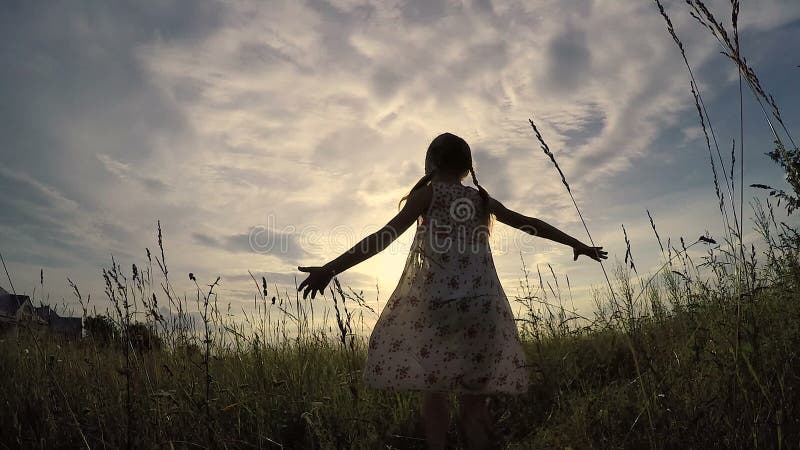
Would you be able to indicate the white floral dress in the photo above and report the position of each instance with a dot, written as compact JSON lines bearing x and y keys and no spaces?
{"x":448,"y":325}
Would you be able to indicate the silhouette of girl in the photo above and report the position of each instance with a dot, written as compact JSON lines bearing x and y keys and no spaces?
{"x":448,"y":326}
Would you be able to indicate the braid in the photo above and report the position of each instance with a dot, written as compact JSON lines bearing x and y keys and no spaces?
{"x":422,"y":182}
{"x":483,"y":193}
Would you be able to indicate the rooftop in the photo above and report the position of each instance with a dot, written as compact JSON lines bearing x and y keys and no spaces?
{"x":10,"y":303}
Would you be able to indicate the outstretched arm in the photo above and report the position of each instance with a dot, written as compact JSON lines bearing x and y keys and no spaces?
{"x":319,"y":277}
{"x":536,"y":227}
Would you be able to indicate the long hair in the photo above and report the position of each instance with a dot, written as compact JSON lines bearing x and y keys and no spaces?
{"x":450,"y":154}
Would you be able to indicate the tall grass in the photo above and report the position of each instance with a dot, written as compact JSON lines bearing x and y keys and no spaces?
{"x":212,"y":381}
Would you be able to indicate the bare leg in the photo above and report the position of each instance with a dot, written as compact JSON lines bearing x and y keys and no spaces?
{"x":475,"y":420}
{"x":436,"y":415}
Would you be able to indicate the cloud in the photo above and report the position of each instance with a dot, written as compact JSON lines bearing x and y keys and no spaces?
{"x":42,"y":226}
{"x":423,"y":12}
{"x":568,"y":60}
{"x":283,"y":245}
{"x":125,"y":172}
{"x":385,"y":82}
{"x":318,"y":114}
{"x":79,"y":91}
{"x":584,"y":123}
{"x":495,"y":167}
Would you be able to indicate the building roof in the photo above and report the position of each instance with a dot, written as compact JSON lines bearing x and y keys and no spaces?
{"x":10,"y":303}
{"x":68,"y":325}
{"x":45,"y":313}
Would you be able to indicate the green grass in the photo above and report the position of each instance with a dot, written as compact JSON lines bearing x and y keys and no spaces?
{"x":700,"y":391}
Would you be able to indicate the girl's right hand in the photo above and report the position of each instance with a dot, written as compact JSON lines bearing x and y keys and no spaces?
{"x":318,"y":278}
{"x":596,"y":253}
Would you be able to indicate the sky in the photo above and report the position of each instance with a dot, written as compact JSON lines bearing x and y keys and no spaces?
{"x":270,"y":134}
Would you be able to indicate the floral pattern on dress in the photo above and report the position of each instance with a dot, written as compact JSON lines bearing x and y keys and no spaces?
{"x":448,"y":325}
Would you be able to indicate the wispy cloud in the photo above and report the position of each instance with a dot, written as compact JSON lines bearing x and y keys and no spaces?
{"x":215,"y":116}
{"x":125,"y":172}
{"x":285,"y":246}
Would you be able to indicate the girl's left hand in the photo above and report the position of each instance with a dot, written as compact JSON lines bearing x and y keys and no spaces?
{"x":596,"y":253}
{"x":318,"y":278}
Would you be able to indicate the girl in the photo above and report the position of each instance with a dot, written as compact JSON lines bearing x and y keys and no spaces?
{"x":448,"y":326}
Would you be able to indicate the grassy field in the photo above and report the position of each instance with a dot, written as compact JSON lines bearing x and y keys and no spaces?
{"x":695,"y":388}
{"x":679,"y":362}
{"x":700,"y":354}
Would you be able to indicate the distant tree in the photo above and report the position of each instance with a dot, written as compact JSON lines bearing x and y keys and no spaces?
{"x":190,"y":349}
{"x":143,"y":337}
{"x":101,"y":329}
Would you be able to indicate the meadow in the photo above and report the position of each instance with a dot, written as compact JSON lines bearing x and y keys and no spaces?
{"x":685,"y":363}
{"x":699,"y":354}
